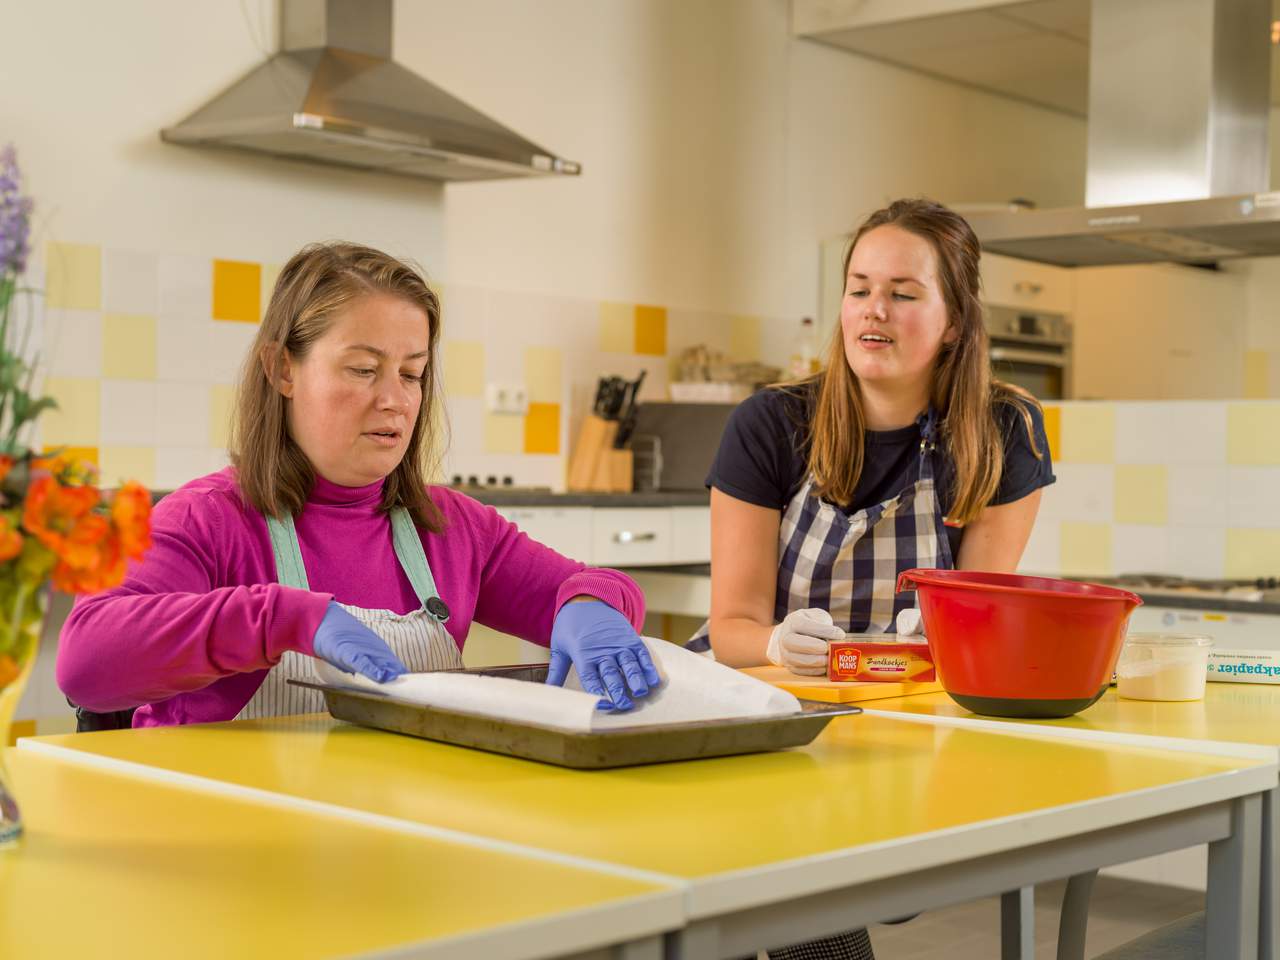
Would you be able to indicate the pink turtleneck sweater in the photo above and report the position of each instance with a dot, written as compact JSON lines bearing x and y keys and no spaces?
{"x":189,"y":636}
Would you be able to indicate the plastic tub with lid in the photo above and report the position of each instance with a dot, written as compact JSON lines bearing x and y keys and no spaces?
{"x":1163,"y":666}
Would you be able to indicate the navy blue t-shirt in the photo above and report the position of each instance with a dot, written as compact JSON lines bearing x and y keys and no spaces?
{"x":764,"y":453}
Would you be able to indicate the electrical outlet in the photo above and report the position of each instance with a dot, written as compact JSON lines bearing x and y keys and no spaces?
{"x":510,"y":398}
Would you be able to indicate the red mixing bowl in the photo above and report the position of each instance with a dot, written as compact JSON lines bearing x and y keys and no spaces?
{"x":1012,"y":646}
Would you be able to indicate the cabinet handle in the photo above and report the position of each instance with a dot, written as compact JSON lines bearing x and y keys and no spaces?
{"x":1028,"y":286}
{"x":626,"y":536}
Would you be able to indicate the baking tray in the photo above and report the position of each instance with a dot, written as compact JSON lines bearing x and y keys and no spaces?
{"x":570,"y":748}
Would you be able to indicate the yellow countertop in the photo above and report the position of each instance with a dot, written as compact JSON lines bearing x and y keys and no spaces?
{"x":116,"y":865}
{"x":1229,"y":713}
{"x":867,"y":783}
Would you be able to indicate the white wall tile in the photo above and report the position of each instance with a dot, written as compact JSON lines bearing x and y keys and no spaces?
{"x":1140,"y":548}
{"x":182,"y":349}
{"x":177,"y":465}
{"x":182,"y":414}
{"x":1085,"y":492}
{"x":1197,"y":495}
{"x":465,"y":309}
{"x":1171,"y":432}
{"x":130,"y":282}
{"x":186,"y":287}
{"x":128,"y":413}
{"x":466,"y":427}
{"x":1043,"y":554}
{"x":1198,"y":551}
{"x":73,"y":341}
{"x":229,"y":344}
{"x":1253,"y":497}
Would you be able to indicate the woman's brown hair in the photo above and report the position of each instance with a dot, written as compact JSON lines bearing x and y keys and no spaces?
{"x":963,"y":392}
{"x":274,"y":475}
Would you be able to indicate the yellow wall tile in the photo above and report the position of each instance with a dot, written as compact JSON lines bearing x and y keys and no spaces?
{"x":85,"y":454}
{"x":503,"y":433}
{"x":617,"y":327}
{"x":1252,"y":553}
{"x":744,"y":339}
{"x":1085,"y":549}
{"x":1088,"y":433}
{"x":1257,"y":365}
{"x":651,"y":330}
{"x":75,"y":422}
{"x":120,"y":464}
{"x":463,"y":368}
{"x":543,"y":378}
{"x":222,"y":401}
{"x":73,"y":276}
{"x":129,"y":346}
{"x":1142,"y":494}
{"x":1053,"y":430}
{"x":542,"y":428}
{"x":237,"y":291}
{"x":1253,"y":433}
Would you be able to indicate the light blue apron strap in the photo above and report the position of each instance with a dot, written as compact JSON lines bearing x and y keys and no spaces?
{"x":413,"y":560}
{"x":284,"y":544}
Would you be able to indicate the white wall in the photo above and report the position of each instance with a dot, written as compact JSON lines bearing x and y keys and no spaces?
{"x":717,"y":151}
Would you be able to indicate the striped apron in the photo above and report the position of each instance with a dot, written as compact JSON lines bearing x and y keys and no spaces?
{"x":418,"y":638}
{"x":848,"y":564}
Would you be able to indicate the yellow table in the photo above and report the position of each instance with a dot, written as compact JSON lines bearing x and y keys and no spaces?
{"x":1230,"y":713}
{"x":877,"y":818}
{"x":117,"y":866}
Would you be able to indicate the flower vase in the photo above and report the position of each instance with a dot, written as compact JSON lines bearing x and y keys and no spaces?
{"x":23,"y":616}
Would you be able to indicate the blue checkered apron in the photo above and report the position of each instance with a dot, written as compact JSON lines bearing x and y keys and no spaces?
{"x":848,"y":564}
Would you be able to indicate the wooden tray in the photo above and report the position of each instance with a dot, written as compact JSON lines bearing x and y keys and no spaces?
{"x":833,"y":691}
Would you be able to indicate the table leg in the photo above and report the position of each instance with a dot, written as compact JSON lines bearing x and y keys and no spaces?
{"x":700,"y":940}
{"x":1232,"y":896}
{"x":1269,"y":906}
{"x":1073,"y":923}
{"x":1018,"y":924}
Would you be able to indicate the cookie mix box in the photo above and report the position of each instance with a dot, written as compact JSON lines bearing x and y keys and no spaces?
{"x":884,"y":660}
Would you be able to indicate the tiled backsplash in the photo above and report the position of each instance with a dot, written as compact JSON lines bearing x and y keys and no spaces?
{"x":1182,"y":487}
{"x":142,"y":352}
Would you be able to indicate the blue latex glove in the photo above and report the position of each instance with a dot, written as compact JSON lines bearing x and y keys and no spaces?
{"x":349,"y":645}
{"x":609,"y":654}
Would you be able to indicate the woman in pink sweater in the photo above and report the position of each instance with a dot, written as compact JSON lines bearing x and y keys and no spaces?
{"x":323,"y":539}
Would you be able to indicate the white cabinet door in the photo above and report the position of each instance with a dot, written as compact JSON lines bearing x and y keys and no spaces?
{"x":566,"y":529}
{"x":1009,"y":282}
{"x":638,"y":536}
{"x":690,"y":534}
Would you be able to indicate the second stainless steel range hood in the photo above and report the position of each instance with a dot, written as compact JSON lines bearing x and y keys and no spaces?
{"x":333,"y":95}
{"x":1178,"y":162}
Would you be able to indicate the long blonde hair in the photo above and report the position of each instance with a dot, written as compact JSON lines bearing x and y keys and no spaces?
{"x":962,"y":391}
{"x":274,"y":475}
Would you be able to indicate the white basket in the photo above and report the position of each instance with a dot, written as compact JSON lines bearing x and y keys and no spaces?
{"x":708,"y":391}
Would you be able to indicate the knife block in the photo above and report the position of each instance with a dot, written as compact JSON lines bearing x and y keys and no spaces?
{"x":595,"y":466}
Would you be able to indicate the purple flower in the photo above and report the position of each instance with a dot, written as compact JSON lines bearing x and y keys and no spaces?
{"x":15,"y":216}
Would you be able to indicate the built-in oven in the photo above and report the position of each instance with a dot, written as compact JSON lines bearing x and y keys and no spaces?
{"x":1031,"y":348}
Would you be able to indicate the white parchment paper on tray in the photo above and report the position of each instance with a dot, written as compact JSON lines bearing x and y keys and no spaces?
{"x":695,"y":688}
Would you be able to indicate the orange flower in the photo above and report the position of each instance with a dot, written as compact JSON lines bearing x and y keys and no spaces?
{"x":10,"y":540}
{"x":131,"y":515}
{"x":91,"y":567}
{"x":9,"y":670}
{"x":52,"y":511}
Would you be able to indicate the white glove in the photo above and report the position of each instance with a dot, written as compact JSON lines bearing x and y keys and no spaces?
{"x":910,"y":623}
{"x":799,"y":642}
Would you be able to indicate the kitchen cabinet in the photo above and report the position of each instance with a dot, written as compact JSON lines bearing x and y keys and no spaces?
{"x":565,"y":529}
{"x":1009,"y":282}
{"x":620,"y":536}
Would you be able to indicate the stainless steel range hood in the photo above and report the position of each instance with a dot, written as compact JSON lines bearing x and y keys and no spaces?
{"x":333,"y":95}
{"x":1178,"y":164}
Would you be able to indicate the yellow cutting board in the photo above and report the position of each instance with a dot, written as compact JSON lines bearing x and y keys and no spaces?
{"x":836,"y":691}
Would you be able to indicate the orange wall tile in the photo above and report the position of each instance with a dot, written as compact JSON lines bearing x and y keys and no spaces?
{"x":542,"y":428}
{"x":1053,"y":430}
{"x":651,"y":330}
{"x":237,"y":291}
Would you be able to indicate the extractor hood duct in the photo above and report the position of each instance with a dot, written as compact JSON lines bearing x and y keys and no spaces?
{"x":1178,"y":164}
{"x":333,"y":95}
